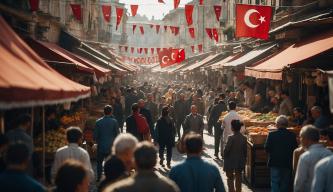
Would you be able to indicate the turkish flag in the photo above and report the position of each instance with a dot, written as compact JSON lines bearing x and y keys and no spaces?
{"x":188,"y":14}
{"x":165,"y":28}
{"x":142,"y":30}
{"x":119,"y":12}
{"x":158,"y":28}
{"x":134,"y":9}
{"x":134,"y":27}
{"x":209,"y":32}
{"x":146,"y":50}
{"x":151,"y":25}
{"x":192,"y":47}
{"x":176,"y":30}
{"x":217,"y":9}
{"x":152,"y":51}
{"x":164,"y":57}
{"x":106,"y":9}
{"x":215,"y":35}
{"x":132,"y":50}
{"x":191,"y":31}
{"x":139,"y":50}
{"x":34,"y":4}
{"x":176,"y":3}
{"x":178,"y":55}
{"x":76,"y":8}
{"x":126,"y":48}
{"x":158,"y":50}
{"x":253,"y":21}
{"x":161,"y":1}
{"x":172,"y":29}
{"x":201,"y":2}
{"x":200,"y":48}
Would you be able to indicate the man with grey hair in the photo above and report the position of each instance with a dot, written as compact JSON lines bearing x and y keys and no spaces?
{"x":320,"y":120}
{"x":280,"y":145}
{"x":123,"y":148}
{"x":315,"y":152}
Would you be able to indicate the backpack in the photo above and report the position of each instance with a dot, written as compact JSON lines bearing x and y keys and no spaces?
{"x":141,"y":123}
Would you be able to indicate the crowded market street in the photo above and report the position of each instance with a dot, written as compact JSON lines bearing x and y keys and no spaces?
{"x":166,"y":95}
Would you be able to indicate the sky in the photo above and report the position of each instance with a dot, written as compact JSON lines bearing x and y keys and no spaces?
{"x":152,"y":7}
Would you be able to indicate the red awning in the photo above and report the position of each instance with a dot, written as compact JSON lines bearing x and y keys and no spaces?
{"x":99,"y":71}
{"x":272,"y":67}
{"x":26,"y":80}
{"x":53,"y":53}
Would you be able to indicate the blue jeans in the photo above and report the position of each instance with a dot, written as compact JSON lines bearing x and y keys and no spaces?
{"x":280,"y":179}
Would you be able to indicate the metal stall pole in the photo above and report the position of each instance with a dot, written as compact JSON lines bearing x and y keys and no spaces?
{"x":32,"y":122}
{"x":43,"y":134}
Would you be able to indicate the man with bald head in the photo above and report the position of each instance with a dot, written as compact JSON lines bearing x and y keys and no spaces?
{"x":145,"y":112}
{"x":194,"y":122}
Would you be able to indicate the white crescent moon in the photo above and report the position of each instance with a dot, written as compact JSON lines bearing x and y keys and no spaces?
{"x":163,"y":62}
{"x":247,"y":18}
{"x":172,"y":56}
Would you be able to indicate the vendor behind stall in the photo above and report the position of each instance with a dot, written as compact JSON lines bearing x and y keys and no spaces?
{"x":321,"y":121}
{"x":258,"y":105}
{"x":286,"y":106}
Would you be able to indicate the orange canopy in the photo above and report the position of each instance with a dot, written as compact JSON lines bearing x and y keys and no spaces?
{"x":26,"y":80}
{"x":272,"y":67}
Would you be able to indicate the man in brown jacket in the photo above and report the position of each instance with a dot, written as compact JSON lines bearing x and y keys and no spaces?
{"x":145,"y":179}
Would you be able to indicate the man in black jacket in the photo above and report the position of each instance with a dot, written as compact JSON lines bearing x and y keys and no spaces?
{"x":214,"y":118}
{"x":280,"y":145}
{"x":180,"y":112}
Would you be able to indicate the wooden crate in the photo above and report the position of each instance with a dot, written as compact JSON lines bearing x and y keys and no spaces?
{"x":256,"y":171}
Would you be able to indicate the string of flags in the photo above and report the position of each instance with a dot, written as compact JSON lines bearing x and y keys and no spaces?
{"x":151,"y":50}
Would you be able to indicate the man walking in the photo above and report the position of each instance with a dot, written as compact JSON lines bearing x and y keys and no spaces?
{"x":280,"y":145}
{"x":196,"y":174}
{"x":145,"y":179}
{"x":106,"y":130}
{"x":152,"y":107}
{"x":214,"y":119}
{"x":180,"y":112}
{"x":194,"y":122}
{"x":147,"y":114}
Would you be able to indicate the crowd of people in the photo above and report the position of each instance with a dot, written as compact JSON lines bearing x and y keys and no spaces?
{"x":141,"y":118}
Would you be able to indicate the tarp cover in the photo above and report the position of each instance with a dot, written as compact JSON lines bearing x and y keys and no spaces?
{"x":26,"y":80}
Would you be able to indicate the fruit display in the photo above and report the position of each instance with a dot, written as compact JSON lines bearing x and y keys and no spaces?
{"x":54,"y":139}
{"x":73,"y":119}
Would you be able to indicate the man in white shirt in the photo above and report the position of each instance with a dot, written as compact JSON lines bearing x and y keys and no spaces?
{"x":226,"y":124}
{"x":72,"y":151}
{"x":307,"y":161}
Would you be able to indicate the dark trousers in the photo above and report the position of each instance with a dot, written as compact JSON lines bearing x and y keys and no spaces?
{"x":217,"y":138}
{"x":169,"y":151}
{"x":99,"y":160}
{"x":178,"y":126}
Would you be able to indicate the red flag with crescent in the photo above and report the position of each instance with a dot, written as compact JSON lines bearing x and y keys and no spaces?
{"x":209,"y":33}
{"x":192,"y":47}
{"x":253,"y":21}
{"x":217,"y":9}
{"x":146,"y":50}
{"x":176,"y":3}
{"x":200,"y":48}
{"x":152,"y":51}
{"x":176,"y":30}
{"x":165,"y":28}
{"x":134,"y":27}
{"x":215,"y":35}
{"x":119,"y":12}
{"x":142,"y":30}
{"x":191,"y":31}
{"x":201,"y":2}
{"x":168,"y":57}
{"x":106,"y":9}
{"x":158,"y":28}
{"x":132,"y":50}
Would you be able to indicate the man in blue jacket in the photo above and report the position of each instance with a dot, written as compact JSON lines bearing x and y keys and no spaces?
{"x":106,"y":130}
{"x":196,"y":174}
{"x":280,"y":145}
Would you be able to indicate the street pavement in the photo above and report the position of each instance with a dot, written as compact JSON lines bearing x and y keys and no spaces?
{"x":208,"y":155}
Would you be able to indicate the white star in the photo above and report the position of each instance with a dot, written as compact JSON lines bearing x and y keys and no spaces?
{"x":262,"y":19}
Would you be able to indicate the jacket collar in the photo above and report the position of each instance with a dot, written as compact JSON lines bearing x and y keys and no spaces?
{"x":145,"y":173}
{"x":315,"y":146}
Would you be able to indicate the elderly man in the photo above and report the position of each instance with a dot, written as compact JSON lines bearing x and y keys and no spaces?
{"x":120,"y":163}
{"x":320,"y":121}
{"x":194,"y":121}
{"x":307,"y":161}
{"x":145,"y":179}
{"x":280,"y":145}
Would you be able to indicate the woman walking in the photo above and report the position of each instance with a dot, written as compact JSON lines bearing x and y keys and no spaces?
{"x":235,"y":157}
{"x":165,"y":135}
